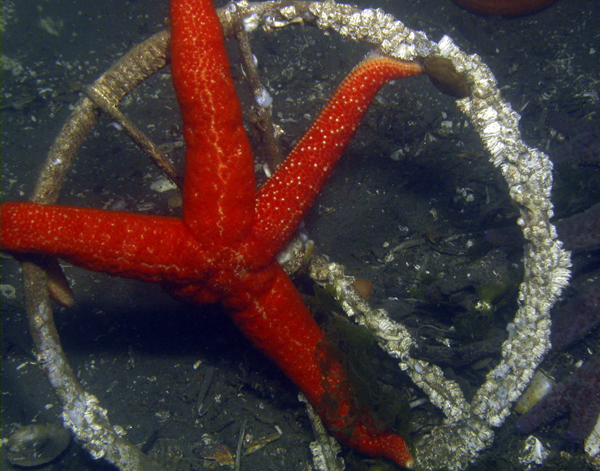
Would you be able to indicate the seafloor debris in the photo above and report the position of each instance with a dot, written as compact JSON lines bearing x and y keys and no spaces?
{"x":577,"y":393}
{"x":583,"y":144}
{"x":37,"y":444}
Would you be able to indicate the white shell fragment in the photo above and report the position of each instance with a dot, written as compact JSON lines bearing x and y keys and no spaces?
{"x":163,"y":184}
{"x":533,"y":452}
{"x":591,"y":446}
{"x":8,"y":291}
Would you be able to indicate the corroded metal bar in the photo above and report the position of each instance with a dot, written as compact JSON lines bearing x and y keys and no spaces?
{"x":81,"y":410}
{"x":141,"y":139}
{"x":262,"y":110}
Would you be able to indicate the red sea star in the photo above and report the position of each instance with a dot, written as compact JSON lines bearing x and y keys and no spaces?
{"x":224,"y":248}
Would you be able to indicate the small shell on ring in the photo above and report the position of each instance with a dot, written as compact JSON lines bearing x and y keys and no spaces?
{"x":37,"y":444}
{"x":251,"y":22}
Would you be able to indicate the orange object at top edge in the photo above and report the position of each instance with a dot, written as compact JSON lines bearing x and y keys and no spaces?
{"x":503,"y":7}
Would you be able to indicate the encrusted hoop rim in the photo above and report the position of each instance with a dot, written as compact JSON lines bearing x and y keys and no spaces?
{"x":528,"y":175}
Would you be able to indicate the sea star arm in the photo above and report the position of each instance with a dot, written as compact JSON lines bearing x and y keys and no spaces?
{"x":285,"y":198}
{"x":219,"y":188}
{"x":147,"y":248}
{"x":280,"y":325}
